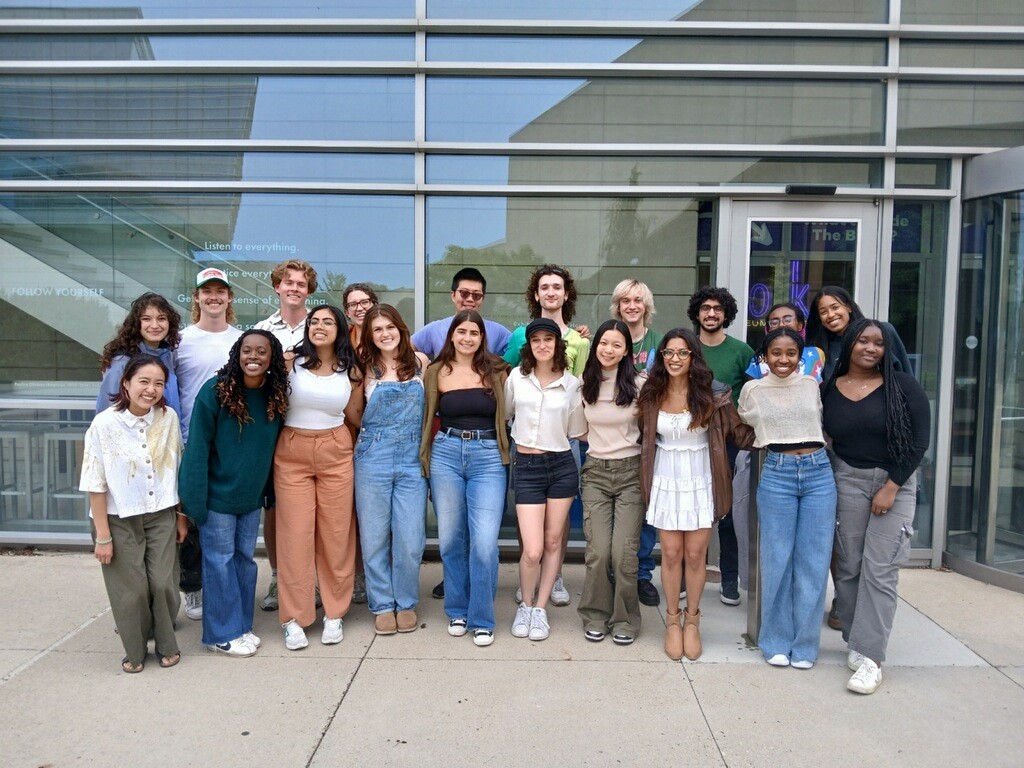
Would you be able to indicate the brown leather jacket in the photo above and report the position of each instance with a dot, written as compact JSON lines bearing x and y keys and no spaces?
{"x":725,"y":425}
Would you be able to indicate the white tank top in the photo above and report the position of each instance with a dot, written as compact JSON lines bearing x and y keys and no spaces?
{"x":316,"y":402}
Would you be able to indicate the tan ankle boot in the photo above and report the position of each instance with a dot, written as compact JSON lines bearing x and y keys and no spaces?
{"x":691,"y":635}
{"x":673,"y":636}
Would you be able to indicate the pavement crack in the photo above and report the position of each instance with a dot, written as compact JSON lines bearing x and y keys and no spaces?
{"x":704,"y":715}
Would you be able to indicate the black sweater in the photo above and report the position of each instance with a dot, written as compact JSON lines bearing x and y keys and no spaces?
{"x":857,"y":428}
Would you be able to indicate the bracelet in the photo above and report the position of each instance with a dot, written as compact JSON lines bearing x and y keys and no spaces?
{"x":102,"y":542}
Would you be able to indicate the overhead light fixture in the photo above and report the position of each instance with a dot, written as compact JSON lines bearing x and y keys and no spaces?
{"x":811,"y":189}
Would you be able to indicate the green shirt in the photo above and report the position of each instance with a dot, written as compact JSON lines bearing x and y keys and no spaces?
{"x":226,"y":467}
{"x":643,"y":350}
{"x":728,"y":361}
{"x":576,"y":349}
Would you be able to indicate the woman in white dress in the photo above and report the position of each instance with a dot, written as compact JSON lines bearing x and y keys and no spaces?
{"x":685,"y":419}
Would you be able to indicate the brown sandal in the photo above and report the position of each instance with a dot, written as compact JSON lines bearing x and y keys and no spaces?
{"x":169,"y":661}
{"x":126,"y":666}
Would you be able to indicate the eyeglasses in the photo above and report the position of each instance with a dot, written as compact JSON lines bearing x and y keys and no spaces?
{"x":707,"y":309}
{"x":777,"y":322}
{"x":352,"y":306}
{"x":326,"y":322}
{"x":467,"y":295}
{"x":682,"y":354}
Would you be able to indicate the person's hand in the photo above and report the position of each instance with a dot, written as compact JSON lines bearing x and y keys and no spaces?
{"x":181,"y":527}
{"x":583,"y":330}
{"x":104,"y":552}
{"x":883,"y":500}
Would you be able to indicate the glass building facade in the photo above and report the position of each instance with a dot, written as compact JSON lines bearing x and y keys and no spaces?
{"x":771,"y":146}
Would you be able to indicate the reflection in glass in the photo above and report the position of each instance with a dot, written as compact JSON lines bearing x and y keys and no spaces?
{"x":922,"y":173}
{"x":221,"y":166}
{"x":986,"y":494}
{"x":553,"y":169}
{"x":76,"y":261}
{"x":661,"y":10}
{"x":995,"y":12}
{"x":967,"y":55}
{"x":656,"y":49}
{"x":209,"y":9}
{"x":658,"y":110}
{"x":154,"y":47}
{"x":953,"y":114}
{"x":207,"y":107}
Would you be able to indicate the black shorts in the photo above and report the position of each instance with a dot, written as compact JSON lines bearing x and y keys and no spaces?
{"x":542,"y":476}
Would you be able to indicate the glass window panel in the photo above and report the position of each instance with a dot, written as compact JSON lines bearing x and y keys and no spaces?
{"x":984,"y":12}
{"x":548,"y":169}
{"x":148,"y":47}
{"x":927,"y":174}
{"x":663,"y":10}
{"x":940,"y":53}
{"x":656,"y":49}
{"x":227,"y":166}
{"x":917,"y":279}
{"x":209,"y":9}
{"x":659,"y":110}
{"x":950,"y":114}
{"x":207,"y":107}
{"x":75,"y":261}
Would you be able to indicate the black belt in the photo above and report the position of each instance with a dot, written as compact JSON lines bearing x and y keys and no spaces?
{"x":472,"y":434}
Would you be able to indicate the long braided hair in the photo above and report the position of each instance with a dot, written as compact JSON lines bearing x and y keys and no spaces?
{"x":899,"y":432}
{"x":230,"y":386}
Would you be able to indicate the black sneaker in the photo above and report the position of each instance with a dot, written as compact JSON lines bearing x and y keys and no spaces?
{"x":438,"y":591}
{"x":647,"y":592}
{"x":833,"y":616}
{"x":730,"y":593}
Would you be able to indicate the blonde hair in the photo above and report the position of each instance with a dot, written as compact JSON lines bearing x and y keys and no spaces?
{"x":230,"y":317}
{"x":645,"y":296}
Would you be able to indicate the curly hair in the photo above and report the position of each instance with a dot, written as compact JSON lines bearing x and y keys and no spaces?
{"x":197,"y":313}
{"x":294,"y":265}
{"x":721,"y":295}
{"x":569,"y":308}
{"x":230,"y":386}
{"x":343,"y":351}
{"x":701,"y":400}
{"x":625,"y":374}
{"x":789,"y":333}
{"x":899,"y":431}
{"x":817,"y":334}
{"x":485,"y":364}
{"x":120,"y":400}
{"x":527,"y":361}
{"x":371,"y":356}
{"x":129,"y":335}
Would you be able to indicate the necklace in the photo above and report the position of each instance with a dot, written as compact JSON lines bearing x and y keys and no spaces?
{"x":849,"y":382}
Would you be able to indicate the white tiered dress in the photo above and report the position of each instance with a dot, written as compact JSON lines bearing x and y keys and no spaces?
{"x":681,"y":491}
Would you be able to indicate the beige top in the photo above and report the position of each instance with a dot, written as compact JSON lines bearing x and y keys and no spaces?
{"x":614,"y":430}
{"x":544,"y":417}
{"x":782,"y":411}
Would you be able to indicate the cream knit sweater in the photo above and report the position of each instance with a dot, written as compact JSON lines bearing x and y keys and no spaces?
{"x":782,"y":411}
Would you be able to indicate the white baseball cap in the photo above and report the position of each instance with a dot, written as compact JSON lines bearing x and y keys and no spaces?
{"x":210,"y":274}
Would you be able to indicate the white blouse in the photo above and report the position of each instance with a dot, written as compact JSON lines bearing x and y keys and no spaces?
{"x":544,"y":418}
{"x":134,"y":460}
{"x":316,"y":402}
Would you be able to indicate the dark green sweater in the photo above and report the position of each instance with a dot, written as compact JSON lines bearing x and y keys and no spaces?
{"x":225,"y":468}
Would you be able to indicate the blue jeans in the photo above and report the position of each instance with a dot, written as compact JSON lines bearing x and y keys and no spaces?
{"x":645,"y":556}
{"x":467,"y":480}
{"x":391,"y":503}
{"x":229,"y":574}
{"x":796,"y":502}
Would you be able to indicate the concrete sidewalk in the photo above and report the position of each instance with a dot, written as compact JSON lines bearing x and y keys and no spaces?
{"x":953,"y":692}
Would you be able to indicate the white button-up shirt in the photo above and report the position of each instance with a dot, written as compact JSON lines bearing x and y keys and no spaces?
{"x":288,"y":336}
{"x":544,"y":417}
{"x":134,"y":460}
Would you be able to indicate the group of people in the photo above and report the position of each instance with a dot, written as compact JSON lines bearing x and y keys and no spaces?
{"x":336,"y":423}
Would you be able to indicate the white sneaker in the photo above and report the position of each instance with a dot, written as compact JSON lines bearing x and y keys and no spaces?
{"x":779,"y":660}
{"x":333,"y":631}
{"x":194,"y":605}
{"x":252,"y":640}
{"x":519,"y":595}
{"x":559,"y":594}
{"x":539,"y":624}
{"x":483,"y":637}
{"x":294,"y":636}
{"x":269,"y":603}
{"x":239,"y":647}
{"x":457,"y":627}
{"x":854,"y":660}
{"x":521,"y":625}
{"x":866,"y":679}
{"x":801,"y":664}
